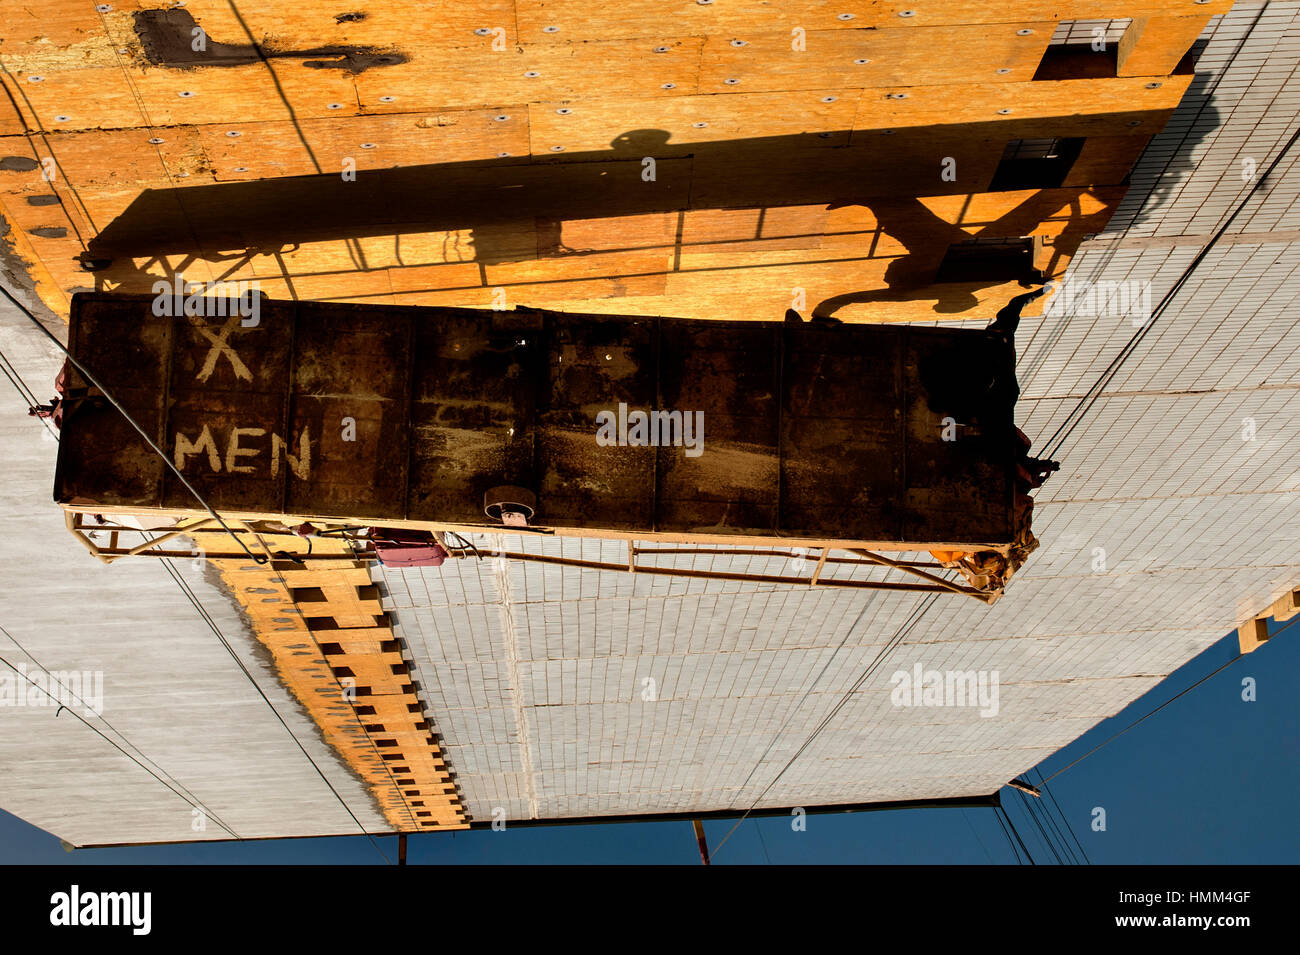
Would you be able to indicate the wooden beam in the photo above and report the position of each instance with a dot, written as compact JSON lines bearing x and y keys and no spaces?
{"x":1252,"y":635}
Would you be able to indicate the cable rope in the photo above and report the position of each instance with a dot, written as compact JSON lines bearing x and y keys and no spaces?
{"x":184,"y":793}
{"x":890,"y":645}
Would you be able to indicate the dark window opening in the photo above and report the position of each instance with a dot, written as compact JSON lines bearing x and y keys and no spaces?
{"x":1035,"y":163}
{"x":987,"y":261}
{"x":1083,"y":49}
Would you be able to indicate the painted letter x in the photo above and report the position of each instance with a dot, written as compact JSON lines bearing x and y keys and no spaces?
{"x":220,"y":346}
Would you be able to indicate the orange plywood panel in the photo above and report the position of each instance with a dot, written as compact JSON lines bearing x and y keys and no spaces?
{"x":845,"y":59}
{"x":357,"y":143}
{"x":1098,"y":105}
{"x":662,"y":127}
{"x":533,"y":73}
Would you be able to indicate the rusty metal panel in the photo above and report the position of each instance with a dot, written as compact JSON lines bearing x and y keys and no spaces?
{"x":112,"y":466}
{"x":473,"y":409}
{"x":350,"y":404}
{"x":594,"y":365}
{"x":842,"y":445}
{"x":731,"y":371}
{"x":628,"y":424}
{"x":965,"y":384}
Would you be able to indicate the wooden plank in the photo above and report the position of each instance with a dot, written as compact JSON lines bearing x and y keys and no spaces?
{"x":1154,"y":45}
{"x":1090,"y":106}
{"x":1252,"y":635}
{"x":534,"y":73}
{"x":269,"y":150}
{"x":646,"y":17}
{"x":1286,"y":606}
{"x":669,"y":126}
{"x":852,"y":59}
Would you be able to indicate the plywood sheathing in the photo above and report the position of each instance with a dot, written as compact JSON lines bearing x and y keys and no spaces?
{"x":334,"y":650}
{"x":796,"y":130}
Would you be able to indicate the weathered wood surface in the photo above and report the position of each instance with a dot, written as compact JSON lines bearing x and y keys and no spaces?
{"x":109,"y":117}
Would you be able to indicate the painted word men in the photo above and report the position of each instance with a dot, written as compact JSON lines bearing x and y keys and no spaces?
{"x":240,"y":456}
{"x":644,"y":429}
